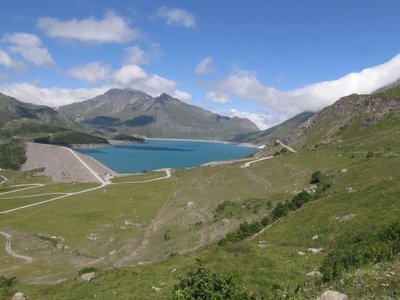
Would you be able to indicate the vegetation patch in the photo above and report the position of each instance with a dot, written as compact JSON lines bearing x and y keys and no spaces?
{"x":201,"y":283}
{"x":7,"y":286}
{"x":366,"y":249}
{"x":12,"y":155}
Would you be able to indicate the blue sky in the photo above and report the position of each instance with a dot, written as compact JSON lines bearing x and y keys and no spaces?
{"x":266,"y":60}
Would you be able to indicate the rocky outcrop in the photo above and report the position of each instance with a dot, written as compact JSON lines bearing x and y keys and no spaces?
{"x":333,"y":295}
{"x":343,"y":113}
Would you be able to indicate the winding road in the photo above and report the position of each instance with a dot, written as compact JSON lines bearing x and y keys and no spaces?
{"x":27,"y":259}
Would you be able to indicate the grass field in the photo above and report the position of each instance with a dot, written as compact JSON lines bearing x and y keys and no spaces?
{"x":157,"y":226}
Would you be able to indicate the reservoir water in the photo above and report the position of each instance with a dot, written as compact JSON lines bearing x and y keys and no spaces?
{"x":157,"y":154}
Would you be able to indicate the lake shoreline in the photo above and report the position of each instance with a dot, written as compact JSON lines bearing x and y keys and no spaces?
{"x":175,"y":153}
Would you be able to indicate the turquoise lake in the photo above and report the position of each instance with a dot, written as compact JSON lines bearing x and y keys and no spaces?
{"x":157,"y":154}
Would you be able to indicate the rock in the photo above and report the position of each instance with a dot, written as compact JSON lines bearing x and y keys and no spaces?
{"x":18,"y":296}
{"x":345,"y":218}
{"x":315,"y":237}
{"x":314,"y":273}
{"x":88,"y":276}
{"x":301,"y":253}
{"x":333,"y":295}
{"x":315,"y":250}
{"x":156,"y":289}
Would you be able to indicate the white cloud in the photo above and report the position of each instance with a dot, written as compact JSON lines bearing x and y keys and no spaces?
{"x":112,"y":28}
{"x":136,"y":56}
{"x":29,"y":46}
{"x":312,"y":97}
{"x":183,"y":96}
{"x":129,"y":75}
{"x":204,"y":67}
{"x":5,"y":59}
{"x":133,"y":76}
{"x":218,"y":97}
{"x":176,"y":16}
{"x":10,"y":63}
{"x":263,"y":120}
{"x":91,"y":72}
{"x":53,"y":96}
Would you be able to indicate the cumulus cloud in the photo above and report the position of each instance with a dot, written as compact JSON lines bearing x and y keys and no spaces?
{"x":7,"y":61}
{"x":312,"y":97}
{"x":204,"y":67}
{"x":136,"y":56}
{"x":29,"y":46}
{"x":111,"y":29}
{"x":134,"y":76}
{"x":53,"y":96}
{"x":176,"y":16}
{"x":263,"y":120}
{"x":218,"y":97}
{"x":91,"y":72}
{"x":129,"y":75}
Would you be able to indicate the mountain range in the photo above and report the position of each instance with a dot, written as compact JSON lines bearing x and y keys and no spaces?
{"x":133,"y":112}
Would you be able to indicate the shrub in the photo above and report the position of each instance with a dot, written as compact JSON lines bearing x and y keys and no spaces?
{"x":203,"y":284}
{"x":12,"y":155}
{"x":353,"y":254}
{"x":86,"y":270}
{"x":7,"y":286}
{"x":370,"y":154}
{"x":316,"y":177}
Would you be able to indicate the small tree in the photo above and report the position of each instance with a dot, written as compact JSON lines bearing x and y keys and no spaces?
{"x":203,"y":284}
{"x":316,"y":177}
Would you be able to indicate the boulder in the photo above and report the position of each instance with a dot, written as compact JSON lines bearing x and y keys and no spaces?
{"x":88,"y":276}
{"x":314,"y":273}
{"x":315,"y":250}
{"x":333,"y":295}
{"x":18,"y":296}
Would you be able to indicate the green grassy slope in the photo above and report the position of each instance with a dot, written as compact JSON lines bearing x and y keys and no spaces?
{"x":177,"y":222}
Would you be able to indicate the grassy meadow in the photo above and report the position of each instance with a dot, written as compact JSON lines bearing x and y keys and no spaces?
{"x":154,"y":232}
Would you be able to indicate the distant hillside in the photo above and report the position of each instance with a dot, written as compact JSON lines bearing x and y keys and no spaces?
{"x":363,"y":109}
{"x":128,"y":111}
{"x":20,"y":122}
{"x":277,"y":132}
{"x":13,"y":109}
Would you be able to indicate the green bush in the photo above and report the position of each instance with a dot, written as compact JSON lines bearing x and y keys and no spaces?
{"x":86,"y":270}
{"x":370,"y":154}
{"x":367,"y":249}
{"x":244,"y":231}
{"x":7,"y":286}
{"x":316,"y":177}
{"x":203,"y":284}
{"x":12,"y":155}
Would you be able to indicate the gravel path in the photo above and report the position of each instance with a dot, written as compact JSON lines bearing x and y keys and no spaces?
{"x":63,"y":164}
{"x":27,"y":259}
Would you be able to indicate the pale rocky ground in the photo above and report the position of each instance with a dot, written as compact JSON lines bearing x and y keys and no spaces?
{"x":61,"y":164}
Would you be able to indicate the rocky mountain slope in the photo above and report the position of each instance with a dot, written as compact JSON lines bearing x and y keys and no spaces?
{"x":133,"y":112}
{"x":364,"y":109}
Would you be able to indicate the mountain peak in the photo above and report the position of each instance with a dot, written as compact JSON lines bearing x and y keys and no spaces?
{"x":118,"y":91}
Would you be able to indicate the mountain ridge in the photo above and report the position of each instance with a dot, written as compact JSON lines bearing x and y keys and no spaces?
{"x":129,"y":111}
